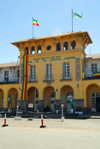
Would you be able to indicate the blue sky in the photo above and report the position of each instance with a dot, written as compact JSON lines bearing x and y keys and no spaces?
{"x":54,"y":17}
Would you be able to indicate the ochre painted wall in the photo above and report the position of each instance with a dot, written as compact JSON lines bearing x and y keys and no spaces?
{"x":56,"y":59}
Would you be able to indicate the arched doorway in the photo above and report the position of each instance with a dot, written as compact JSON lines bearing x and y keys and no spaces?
{"x":93,"y":98}
{"x":33,"y":97}
{"x":65,"y":92}
{"x":14,"y":97}
{"x":49,"y":98}
{"x":1,"y":99}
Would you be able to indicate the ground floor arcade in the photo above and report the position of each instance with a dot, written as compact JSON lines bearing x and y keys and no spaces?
{"x":86,"y":97}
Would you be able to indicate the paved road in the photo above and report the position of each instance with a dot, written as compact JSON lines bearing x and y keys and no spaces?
{"x":70,"y":134}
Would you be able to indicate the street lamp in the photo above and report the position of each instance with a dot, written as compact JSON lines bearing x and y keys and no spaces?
{"x":35,"y":92}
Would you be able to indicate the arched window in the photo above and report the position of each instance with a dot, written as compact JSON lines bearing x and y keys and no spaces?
{"x":33,"y":50}
{"x":26,"y":51}
{"x":65,"y":46}
{"x":39,"y":49}
{"x":58,"y":47}
{"x":73,"y":45}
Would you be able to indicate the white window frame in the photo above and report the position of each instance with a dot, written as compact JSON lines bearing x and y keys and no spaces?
{"x":6,"y":76}
{"x":93,"y":101}
{"x":32,"y":73}
{"x":94,"y":67}
{"x":49,"y":71}
{"x":66,"y":70}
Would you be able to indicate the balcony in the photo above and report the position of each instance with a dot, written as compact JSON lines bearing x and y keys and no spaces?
{"x":32,"y":79}
{"x":66,"y":77}
{"x":10,"y":81}
{"x":89,"y":76}
{"x":48,"y":78}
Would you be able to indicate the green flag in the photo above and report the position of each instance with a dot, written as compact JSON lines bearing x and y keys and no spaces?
{"x":79,"y":15}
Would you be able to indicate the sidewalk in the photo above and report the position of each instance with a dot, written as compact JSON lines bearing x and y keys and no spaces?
{"x":69,"y":134}
{"x":49,"y":115}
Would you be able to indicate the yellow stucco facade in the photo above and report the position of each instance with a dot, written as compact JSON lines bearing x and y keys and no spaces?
{"x":60,"y":52}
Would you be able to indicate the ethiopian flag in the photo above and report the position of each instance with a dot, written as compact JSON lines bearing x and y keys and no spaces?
{"x":9,"y":102}
{"x":79,"y":15}
{"x":96,"y":74}
{"x":35,"y":22}
{"x":24,"y":86}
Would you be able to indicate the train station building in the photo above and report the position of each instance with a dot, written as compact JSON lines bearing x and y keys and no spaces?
{"x":57,"y":66}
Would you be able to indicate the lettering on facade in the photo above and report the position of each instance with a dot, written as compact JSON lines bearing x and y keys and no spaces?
{"x":52,"y":58}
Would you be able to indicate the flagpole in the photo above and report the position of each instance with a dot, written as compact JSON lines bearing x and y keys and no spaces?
{"x":72,"y":20}
{"x":32,"y":26}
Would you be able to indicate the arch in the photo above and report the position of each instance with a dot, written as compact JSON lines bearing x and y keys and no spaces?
{"x":31,"y":95}
{"x":1,"y":99}
{"x":14,"y":97}
{"x":93,"y":84}
{"x":33,"y":50}
{"x":66,"y":91}
{"x":89,"y":90}
{"x":65,"y":46}
{"x":39,"y":49}
{"x":58,"y":46}
{"x":26,"y":51}
{"x":73,"y":44}
{"x":48,"y":91}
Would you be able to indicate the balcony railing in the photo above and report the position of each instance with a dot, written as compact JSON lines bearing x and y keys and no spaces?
{"x":32,"y":78}
{"x":48,"y":78}
{"x":89,"y":75}
{"x":10,"y":81}
{"x":66,"y":77}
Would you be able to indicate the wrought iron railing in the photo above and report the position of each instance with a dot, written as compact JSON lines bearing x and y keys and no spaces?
{"x":32,"y":78}
{"x":66,"y":76}
{"x":49,"y":77}
{"x":10,"y":81}
{"x":91,"y":75}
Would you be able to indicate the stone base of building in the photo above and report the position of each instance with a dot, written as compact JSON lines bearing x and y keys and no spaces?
{"x":23,"y":105}
{"x":4,"y":110}
{"x":0,"y":109}
{"x":86,"y":110}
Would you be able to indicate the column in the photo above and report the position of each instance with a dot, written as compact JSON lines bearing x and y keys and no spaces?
{"x":5,"y":106}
